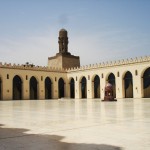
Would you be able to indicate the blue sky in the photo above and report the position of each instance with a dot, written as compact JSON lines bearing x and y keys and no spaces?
{"x":98,"y":30}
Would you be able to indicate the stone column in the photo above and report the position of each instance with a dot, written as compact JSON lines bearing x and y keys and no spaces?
{"x":89,"y":87}
{"x":25,"y":89}
{"x":7,"y":88}
{"x":137,"y":86}
{"x":77,"y":89}
{"x":119,"y":85}
{"x":41,"y":89}
{"x":67,"y":89}
{"x":55,"y":88}
{"x":102,"y":86}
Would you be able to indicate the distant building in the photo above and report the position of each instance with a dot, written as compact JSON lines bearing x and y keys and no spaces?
{"x":63,"y":77}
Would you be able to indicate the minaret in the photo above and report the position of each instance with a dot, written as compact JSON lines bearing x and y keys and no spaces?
{"x":63,"y":41}
{"x":63,"y":58}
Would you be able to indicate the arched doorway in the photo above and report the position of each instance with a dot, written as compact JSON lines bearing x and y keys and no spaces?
{"x":33,"y":88}
{"x":72,"y":88}
{"x":111,"y":80}
{"x":17,"y":88}
{"x":61,"y":84}
{"x":0,"y":88}
{"x":146,"y":83}
{"x":83,"y":88}
{"x":96,"y":87}
{"x":128,"y":85}
{"x":48,"y":88}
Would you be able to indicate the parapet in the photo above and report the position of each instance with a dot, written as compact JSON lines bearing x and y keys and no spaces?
{"x":111,"y":63}
{"x":31,"y":67}
{"x":73,"y":69}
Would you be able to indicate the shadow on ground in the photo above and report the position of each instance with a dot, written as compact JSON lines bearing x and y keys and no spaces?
{"x":17,"y":139}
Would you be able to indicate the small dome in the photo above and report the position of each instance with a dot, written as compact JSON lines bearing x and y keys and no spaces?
{"x":63,"y":33}
{"x":63,"y":30}
{"x":108,"y":85}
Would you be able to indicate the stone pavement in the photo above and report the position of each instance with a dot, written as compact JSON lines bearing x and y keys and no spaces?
{"x":75,"y":125}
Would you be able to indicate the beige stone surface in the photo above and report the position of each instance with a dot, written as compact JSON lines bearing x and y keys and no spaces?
{"x":75,"y":124}
{"x":64,"y":61}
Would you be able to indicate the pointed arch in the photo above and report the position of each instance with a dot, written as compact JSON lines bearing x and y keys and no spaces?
{"x":111,"y":79}
{"x":128,"y":85}
{"x":96,"y":86}
{"x":61,"y":90}
{"x":72,"y":88}
{"x":146,"y":83}
{"x":83,"y":87}
{"x":33,"y":88}
{"x":48,"y":88}
{"x":17,"y":88}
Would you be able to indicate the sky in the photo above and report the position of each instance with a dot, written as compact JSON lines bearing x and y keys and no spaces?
{"x":98,"y":30}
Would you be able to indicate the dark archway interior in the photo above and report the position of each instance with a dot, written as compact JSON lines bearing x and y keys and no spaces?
{"x":17,"y":88}
{"x":0,"y":88}
{"x":33,"y":88}
{"x":96,"y":87}
{"x":128,"y":85}
{"x":146,"y":83}
{"x":111,"y":80}
{"x":83,"y":88}
{"x":72,"y":88}
{"x":48,"y":88}
{"x":61,"y":87}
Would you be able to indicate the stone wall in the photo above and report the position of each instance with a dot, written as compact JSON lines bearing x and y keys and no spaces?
{"x":135,"y":66}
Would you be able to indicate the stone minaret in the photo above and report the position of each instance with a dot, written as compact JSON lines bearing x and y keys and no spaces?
{"x":63,"y":41}
{"x":63,"y":58}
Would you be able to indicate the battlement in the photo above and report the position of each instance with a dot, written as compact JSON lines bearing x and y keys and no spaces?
{"x":31,"y":67}
{"x":111,"y":63}
{"x":87,"y":67}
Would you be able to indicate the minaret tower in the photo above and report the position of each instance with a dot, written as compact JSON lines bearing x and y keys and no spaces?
{"x":63,"y":58}
{"x":63,"y":41}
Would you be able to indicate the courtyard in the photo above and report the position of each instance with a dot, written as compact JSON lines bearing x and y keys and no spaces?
{"x":72,"y":124}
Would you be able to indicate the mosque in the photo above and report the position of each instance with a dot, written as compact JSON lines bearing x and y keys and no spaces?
{"x":63,"y":77}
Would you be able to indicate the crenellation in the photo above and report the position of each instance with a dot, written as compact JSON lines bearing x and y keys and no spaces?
{"x":86,"y":67}
{"x":30,"y":67}
{"x":112,"y":63}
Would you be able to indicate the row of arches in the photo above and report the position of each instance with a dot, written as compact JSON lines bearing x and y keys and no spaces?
{"x":33,"y":84}
{"x":127,"y":85}
{"x":96,"y":83}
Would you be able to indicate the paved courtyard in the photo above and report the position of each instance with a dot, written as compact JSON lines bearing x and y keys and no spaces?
{"x":75,"y":125}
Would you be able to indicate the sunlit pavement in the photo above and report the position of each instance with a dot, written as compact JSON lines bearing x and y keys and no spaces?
{"x":75,"y":124}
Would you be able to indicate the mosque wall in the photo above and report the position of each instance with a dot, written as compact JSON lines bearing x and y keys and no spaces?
{"x":127,"y":77}
{"x":136,"y":68}
{"x":7,"y":75}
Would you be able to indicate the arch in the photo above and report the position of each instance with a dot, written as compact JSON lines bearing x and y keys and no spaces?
{"x":33,"y":88}
{"x":96,"y":86}
{"x":128,"y":85}
{"x":17,"y":88}
{"x":83,"y":88}
{"x":72,"y":88}
{"x":146,"y":83}
{"x":0,"y":88}
{"x":61,"y":90}
{"x":48,"y":88}
{"x":111,"y":79}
